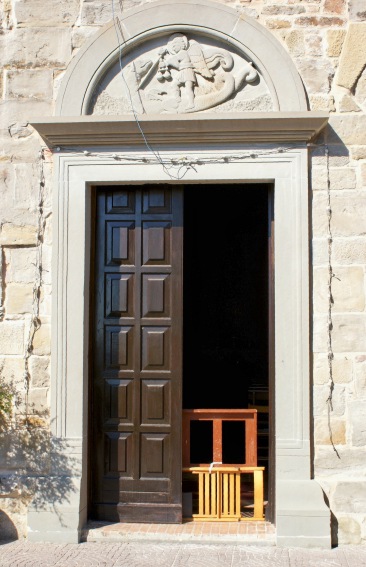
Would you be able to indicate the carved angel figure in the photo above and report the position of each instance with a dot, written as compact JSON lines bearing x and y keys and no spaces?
{"x":186,"y":57}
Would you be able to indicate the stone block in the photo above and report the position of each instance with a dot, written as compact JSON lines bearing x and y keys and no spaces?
{"x":319,"y":21}
{"x":316,"y":74}
{"x":326,"y":433}
{"x":360,"y":377}
{"x":349,"y":333}
{"x":360,"y":91}
{"x":357,"y":10}
{"x":341,"y":369}
{"x":348,"y":104}
{"x":18,"y":299}
{"x":349,"y":250}
{"x":322,"y":102}
{"x":349,"y":462}
{"x":348,"y":287}
{"x":295,"y":43}
{"x":12,"y":337}
{"x":334,"y":6}
{"x":349,"y":496}
{"x":349,"y":531}
{"x":319,"y":251}
{"x":335,"y":39}
{"x":348,"y":129}
{"x":348,"y":213}
{"x":358,"y":152}
{"x":95,"y":12}
{"x":20,"y":265}
{"x":36,"y":47}
{"x":320,"y":403}
{"x":57,"y":13}
{"x":42,"y":340}
{"x":288,"y":10}
{"x":363,"y":174}
{"x":38,"y":400}
{"x":39,"y":367}
{"x":353,"y":56}
{"x":29,"y":83}
{"x":358,"y":422}
{"x":319,"y":211}
{"x":314,"y":45}
{"x":277,"y":24}
{"x":12,"y":374}
{"x":18,"y":235}
{"x":81,"y":34}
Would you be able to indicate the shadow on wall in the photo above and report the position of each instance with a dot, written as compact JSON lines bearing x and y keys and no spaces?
{"x":37,"y":470}
{"x":8,"y":531}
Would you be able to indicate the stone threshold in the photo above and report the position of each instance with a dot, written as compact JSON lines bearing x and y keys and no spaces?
{"x":243,"y":533}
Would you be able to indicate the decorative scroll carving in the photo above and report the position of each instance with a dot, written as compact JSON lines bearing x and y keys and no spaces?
{"x":183,"y":75}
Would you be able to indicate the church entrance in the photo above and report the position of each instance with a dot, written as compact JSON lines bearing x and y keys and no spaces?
{"x":182,"y":319}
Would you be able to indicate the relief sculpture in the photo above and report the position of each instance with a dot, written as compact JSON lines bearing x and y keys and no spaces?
{"x":183,"y":75}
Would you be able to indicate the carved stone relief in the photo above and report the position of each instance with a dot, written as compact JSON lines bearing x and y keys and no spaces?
{"x":178,"y":74}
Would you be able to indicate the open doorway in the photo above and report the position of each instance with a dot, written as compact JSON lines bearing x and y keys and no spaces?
{"x":226,"y":313}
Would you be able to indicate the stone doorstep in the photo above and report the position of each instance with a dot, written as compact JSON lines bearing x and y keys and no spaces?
{"x":244,"y":533}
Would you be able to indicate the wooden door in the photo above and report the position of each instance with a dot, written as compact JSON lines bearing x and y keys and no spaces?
{"x":137,"y":352}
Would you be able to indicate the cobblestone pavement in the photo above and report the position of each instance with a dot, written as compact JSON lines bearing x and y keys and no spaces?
{"x":160,"y":554}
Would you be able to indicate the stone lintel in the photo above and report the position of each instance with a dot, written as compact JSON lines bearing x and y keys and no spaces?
{"x":210,"y":129}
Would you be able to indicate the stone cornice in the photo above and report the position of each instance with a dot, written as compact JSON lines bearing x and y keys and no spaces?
{"x":207,"y":129}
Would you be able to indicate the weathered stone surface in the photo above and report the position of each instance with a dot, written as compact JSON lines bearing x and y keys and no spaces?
{"x":341,"y":369}
{"x":277,"y":23}
{"x":314,"y":45}
{"x":342,"y":178}
{"x":42,"y":340}
{"x":38,"y":400}
{"x":12,"y":337}
{"x":36,"y":47}
{"x":295,"y":42}
{"x":349,"y":333}
{"x":321,"y":395}
{"x":336,"y":434}
{"x":18,"y":235}
{"x":360,"y":90}
{"x":334,"y":6}
{"x":81,"y":34}
{"x":96,"y":12}
{"x":323,"y":21}
{"x":349,"y":250}
{"x":348,"y":104}
{"x":353,"y":56}
{"x":335,"y":40}
{"x":348,"y":213}
{"x":288,"y":10}
{"x":357,"y":10}
{"x":358,"y":152}
{"x":12,"y":370}
{"x":319,"y":251}
{"x":33,"y":84}
{"x":317,"y":75}
{"x":348,"y":289}
{"x":360,"y":377}
{"x":363,"y":174}
{"x":34,"y":13}
{"x":350,"y":462}
{"x":358,"y":422}
{"x":349,"y":531}
{"x":350,"y":130}
{"x":39,"y":367}
{"x":350,"y":496}
{"x":322,"y":102}
{"x":18,"y":298}
{"x":20,"y":264}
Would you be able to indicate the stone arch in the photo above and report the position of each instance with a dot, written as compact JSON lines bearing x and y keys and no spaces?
{"x":159,"y":18}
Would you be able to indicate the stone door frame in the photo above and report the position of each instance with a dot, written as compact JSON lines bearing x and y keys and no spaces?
{"x":93,"y":150}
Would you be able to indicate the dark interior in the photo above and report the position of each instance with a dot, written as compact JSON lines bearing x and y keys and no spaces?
{"x":225,"y":306}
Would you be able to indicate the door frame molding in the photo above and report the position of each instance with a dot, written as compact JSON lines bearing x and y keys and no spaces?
{"x":302,"y":518}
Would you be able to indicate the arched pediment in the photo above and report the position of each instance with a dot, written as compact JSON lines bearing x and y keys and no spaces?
{"x":181,"y":57}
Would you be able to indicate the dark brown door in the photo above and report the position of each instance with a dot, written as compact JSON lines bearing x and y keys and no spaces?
{"x":137,"y":382}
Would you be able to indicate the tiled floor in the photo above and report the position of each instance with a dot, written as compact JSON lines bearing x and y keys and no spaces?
{"x":239,"y":532}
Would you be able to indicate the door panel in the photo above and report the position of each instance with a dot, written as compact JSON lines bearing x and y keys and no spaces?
{"x":137,"y":380}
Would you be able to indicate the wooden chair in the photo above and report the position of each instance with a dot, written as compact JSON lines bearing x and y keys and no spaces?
{"x":219,"y":484}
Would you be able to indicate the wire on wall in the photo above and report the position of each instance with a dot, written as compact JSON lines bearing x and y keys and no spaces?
{"x":35,"y":322}
{"x":331,"y":276}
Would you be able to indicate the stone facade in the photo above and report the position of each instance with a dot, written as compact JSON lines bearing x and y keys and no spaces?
{"x":327,"y":42}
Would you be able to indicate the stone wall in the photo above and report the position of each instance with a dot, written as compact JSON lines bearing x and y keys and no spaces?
{"x":327,"y":41}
